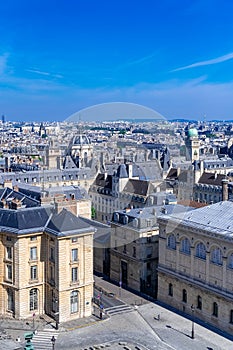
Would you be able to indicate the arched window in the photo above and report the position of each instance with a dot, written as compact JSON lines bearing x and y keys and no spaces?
{"x":184,"y":296}
{"x":33,"y":299}
{"x":230,"y":261}
{"x":215,"y":309}
{"x":201,"y":251}
{"x":199,"y":302}
{"x":170,"y":290}
{"x":185,"y":246}
{"x":171,"y":241}
{"x":74,"y":301}
{"x":216,"y":256}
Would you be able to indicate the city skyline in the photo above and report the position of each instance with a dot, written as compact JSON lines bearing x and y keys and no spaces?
{"x":173,"y":57}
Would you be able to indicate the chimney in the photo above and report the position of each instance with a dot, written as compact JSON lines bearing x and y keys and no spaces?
{"x":130,"y":170}
{"x":224,"y":190}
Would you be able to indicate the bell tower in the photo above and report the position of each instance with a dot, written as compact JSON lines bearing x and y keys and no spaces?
{"x":192,"y":145}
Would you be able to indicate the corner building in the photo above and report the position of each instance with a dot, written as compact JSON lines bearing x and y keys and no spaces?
{"x":195,"y":272}
{"x":46,"y":264}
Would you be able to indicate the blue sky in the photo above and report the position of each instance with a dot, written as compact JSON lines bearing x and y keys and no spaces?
{"x":174,"y":56}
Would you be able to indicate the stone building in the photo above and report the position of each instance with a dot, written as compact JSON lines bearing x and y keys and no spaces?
{"x":196,"y":263}
{"x":134,"y":249}
{"x":124,"y":188}
{"x":46,"y":264}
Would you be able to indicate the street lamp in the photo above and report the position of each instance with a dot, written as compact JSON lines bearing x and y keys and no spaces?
{"x":192,"y":309}
{"x":53,"y":340}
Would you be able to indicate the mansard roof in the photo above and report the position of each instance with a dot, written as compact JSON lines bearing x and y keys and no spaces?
{"x":24,"y":220}
{"x":42,"y":219}
{"x":9,"y":195}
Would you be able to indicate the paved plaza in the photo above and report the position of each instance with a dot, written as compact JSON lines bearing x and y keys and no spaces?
{"x":144,"y":325}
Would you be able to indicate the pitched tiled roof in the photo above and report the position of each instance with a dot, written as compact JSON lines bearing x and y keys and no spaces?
{"x":139,"y":187}
{"x":211,"y":179}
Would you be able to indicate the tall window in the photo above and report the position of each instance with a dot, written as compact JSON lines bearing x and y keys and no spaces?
{"x":170,"y":289}
{"x":200,"y":251}
{"x":184,"y":296}
{"x":215,"y":309}
{"x":33,"y":299}
{"x":9,"y":253}
{"x":9,"y":272}
{"x":74,"y":301}
{"x":171,"y":241}
{"x":33,"y":253}
{"x":185,"y":246}
{"x":199,"y":302}
{"x":216,"y":256}
{"x":10,"y":300}
{"x":33,"y":272}
{"x":52,"y":272}
{"x":52,"y":255}
{"x":74,"y":274}
{"x":74,"y":254}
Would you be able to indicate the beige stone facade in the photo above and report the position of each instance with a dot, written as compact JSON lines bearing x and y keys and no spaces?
{"x":134,"y":250}
{"x":196,"y":264}
{"x":47,"y":271}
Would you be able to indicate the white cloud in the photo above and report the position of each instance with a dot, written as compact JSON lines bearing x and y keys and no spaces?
{"x":134,"y":62}
{"x":217,"y":60}
{"x":37,"y":71}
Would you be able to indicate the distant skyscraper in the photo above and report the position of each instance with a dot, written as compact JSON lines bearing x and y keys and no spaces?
{"x":3,"y":119}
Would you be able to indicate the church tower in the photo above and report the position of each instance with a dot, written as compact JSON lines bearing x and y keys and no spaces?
{"x":192,"y":145}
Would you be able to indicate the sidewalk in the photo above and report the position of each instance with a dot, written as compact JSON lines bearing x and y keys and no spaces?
{"x":170,"y":327}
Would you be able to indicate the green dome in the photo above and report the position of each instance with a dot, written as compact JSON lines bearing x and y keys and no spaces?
{"x":192,"y":132}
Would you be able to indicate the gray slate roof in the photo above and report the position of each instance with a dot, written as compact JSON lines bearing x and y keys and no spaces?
{"x":216,"y":218}
{"x":30,"y":220}
{"x":67,"y":223}
{"x":24,"y":220}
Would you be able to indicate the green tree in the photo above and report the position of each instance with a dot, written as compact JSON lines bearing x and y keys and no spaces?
{"x":93,"y":213}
